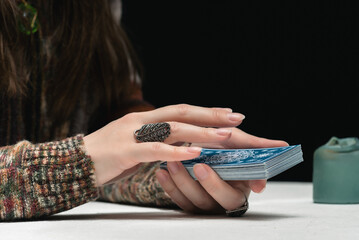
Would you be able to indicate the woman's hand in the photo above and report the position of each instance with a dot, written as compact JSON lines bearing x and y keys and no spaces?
{"x":115,"y":151}
{"x":210,"y":193}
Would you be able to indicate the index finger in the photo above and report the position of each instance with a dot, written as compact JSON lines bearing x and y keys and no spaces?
{"x":200,"y":116}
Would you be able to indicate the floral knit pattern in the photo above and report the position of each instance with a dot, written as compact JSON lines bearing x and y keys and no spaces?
{"x":42,"y":179}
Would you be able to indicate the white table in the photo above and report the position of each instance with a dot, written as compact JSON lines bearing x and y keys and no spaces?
{"x":284,"y":211}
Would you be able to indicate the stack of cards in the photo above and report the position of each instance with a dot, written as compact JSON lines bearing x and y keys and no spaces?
{"x":246,"y":164}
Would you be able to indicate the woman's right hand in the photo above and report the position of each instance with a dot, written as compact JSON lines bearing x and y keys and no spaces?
{"x":115,"y":151}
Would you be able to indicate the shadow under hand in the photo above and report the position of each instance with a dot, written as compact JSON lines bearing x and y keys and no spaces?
{"x":258,"y":216}
{"x":251,"y":216}
{"x":132,"y":216}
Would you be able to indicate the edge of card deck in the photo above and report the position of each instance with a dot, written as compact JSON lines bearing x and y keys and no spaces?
{"x":247,"y":164}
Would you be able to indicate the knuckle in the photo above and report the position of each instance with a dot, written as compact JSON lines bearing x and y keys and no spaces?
{"x":174,"y":127}
{"x":156,"y":147}
{"x":206,"y":132}
{"x":130,"y":117}
{"x":183,"y":109}
{"x":216,"y":114}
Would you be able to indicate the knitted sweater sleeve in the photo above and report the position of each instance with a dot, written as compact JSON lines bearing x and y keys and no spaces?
{"x":38,"y":180}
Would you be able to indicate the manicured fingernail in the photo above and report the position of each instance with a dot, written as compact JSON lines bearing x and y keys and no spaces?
{"x":223,"y":131}
{"x":201,"y":172}
{"x":173,"y":167}
{"x":235,"y":117}
{"x":194,"y":149}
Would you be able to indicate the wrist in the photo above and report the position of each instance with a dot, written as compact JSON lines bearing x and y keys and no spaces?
{"x":91,"y":152}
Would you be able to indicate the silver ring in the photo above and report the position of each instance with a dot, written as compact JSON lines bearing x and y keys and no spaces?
{"x":153,"y":132}
{"x":238,"y":211}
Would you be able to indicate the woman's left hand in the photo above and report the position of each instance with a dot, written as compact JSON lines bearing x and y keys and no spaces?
{"x":210,"y":194}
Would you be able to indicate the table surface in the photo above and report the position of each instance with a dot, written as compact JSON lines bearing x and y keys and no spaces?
{"x":285,"y":210}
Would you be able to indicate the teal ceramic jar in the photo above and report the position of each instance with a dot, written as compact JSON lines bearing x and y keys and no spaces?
{"x":336,"y":171}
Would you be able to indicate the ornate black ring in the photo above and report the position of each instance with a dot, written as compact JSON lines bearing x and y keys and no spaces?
{"x":238,"y":211}
{"x":153,"y":132}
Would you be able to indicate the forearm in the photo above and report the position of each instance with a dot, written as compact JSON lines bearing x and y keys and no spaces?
{"x":42,"y":179}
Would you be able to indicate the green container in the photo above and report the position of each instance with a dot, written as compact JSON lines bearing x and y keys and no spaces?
{"x":336,"y":171}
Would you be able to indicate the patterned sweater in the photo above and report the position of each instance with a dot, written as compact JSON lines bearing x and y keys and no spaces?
{"x":42,"y":179}
{"x":38,"y":180}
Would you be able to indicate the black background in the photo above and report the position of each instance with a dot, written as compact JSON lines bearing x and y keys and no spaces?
{"x":290,"y":66}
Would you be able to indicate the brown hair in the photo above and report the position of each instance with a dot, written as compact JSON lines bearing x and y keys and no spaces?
{"x":85,"y":42}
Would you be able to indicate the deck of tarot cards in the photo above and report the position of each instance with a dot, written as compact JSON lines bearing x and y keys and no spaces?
{"x":246,"y":164}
